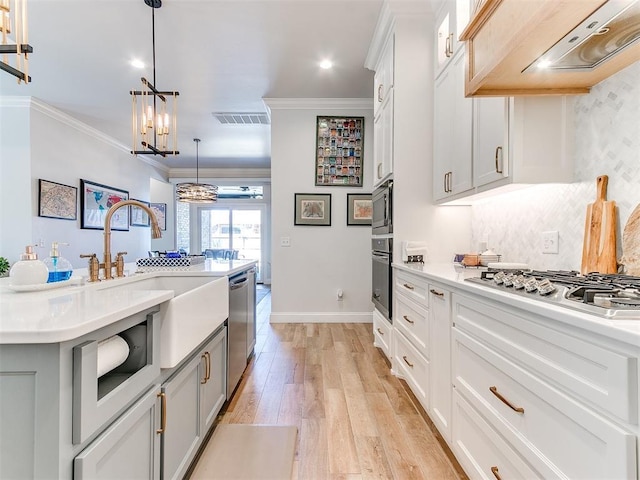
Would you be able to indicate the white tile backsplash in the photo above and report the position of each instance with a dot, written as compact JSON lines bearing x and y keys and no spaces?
{"x":607,"y":143}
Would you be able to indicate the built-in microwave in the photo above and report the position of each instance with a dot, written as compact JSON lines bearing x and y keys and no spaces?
{"x":381,"y":222}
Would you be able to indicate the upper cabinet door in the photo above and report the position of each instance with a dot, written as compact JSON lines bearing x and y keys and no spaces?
{"x":452,"y":19}
{"x":490,"y":140}
{"x":383,"y":78}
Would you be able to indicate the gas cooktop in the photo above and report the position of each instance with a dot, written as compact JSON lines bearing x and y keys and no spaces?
{"x":613,"y":296}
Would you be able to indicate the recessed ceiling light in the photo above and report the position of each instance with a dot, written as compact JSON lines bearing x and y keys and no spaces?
{"x":326,"y":64}
{"x":135,"y":63}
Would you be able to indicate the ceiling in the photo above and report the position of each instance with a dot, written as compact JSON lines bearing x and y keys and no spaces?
{"x":221,"y":55}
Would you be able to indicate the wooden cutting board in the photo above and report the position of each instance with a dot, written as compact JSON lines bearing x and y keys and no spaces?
{"x":599,"y":247}
{"x":631,"y":244}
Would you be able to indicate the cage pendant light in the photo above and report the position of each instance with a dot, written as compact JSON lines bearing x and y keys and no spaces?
{"x":154,"y":112}
{"x":14,"y":39}
{"x":196,"y":192}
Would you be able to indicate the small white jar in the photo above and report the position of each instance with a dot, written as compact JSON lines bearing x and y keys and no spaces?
{"x":29,"y":270}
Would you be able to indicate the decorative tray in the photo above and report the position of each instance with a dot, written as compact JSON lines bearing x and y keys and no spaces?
{"x":165,"y":262}
{"x":38,"y":287}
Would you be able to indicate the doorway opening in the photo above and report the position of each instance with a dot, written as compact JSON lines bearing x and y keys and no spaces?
{"x":232,"y":232}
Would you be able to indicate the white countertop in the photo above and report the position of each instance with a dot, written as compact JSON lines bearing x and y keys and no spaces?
{"x":624,"y":330}
{"x":73,"y":310}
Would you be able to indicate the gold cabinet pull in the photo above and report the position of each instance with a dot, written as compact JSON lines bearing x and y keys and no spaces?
{"x":163,"y":412}
{"x":410,"y":287}
{"x":494,"y":390}
{"x":204,"y":357}
{"x":208,"y":370}
{"x":380,"y":331}
{"x":437,"y":293}
{"x":498,"y":154}
{"x":404,"y":357}
{"x":448,"y":48}
{"x":494,"y":470}
{"x":380,"y":88}
{"x":408,"y":319}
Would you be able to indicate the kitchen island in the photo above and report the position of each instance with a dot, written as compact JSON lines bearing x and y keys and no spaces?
{"x":518,"y":387}
{"x":61,"y":420}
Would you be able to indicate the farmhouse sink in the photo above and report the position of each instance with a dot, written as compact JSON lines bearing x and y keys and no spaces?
{"x":199,"y":306}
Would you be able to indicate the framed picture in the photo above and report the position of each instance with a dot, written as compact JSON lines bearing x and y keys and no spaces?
{"x":359,"y":209}
{"x":95,"y":201}
{"x":160,"y":209}
{"x":56,"y":200}
{"x":313,"y":209}
{"x":137,"y":216}
{"x":339,"y":151}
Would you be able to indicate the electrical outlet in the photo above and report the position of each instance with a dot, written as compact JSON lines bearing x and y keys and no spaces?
{"x":285,"y":241}
{"x":550,"y":242}
{"x":339,"y":294}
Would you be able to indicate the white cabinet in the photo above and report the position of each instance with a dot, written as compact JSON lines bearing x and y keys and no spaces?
{"x":450,"y":22}
{"x":382,"y":334}
{"x":411,"y":333}
{"x":490,"y":140}
{"x":129,"y":448}
{"x":541,"y":390}
{"x":452,"y":169}
{"x":440,"y":356}
{"x":384,"y":75}
{"x":192,"y":398}
{"x":383,"y":115}
{"x":482,"y":144}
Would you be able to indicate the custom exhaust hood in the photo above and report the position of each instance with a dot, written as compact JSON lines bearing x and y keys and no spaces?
{"x":607,"y":31}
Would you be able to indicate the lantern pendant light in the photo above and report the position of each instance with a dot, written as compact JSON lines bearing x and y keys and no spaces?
{"x":154,"y":112}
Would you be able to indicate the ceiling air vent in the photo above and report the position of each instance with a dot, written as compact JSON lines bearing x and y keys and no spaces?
{"x":242,"y":118}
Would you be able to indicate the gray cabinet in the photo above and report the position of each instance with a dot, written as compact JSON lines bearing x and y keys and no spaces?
{"x":251,"y":312}
{"x":194,"y":395}
{"x":129,"y":448}
{"x":213,"y":390}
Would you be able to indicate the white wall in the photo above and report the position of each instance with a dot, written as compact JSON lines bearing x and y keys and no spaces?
{"x":607,"y":142}
{"x":63,"y":150}
{"x":163,"y":192}
{"x":306,"y":275}
{"x":15,"y":178}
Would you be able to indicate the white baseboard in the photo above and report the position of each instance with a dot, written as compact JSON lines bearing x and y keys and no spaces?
{"x":321,"y":317}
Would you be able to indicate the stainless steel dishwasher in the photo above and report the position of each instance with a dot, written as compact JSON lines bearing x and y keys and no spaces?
{"x":237,"y":329}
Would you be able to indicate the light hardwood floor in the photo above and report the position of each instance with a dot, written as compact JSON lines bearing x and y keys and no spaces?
{"x":355,"y":420}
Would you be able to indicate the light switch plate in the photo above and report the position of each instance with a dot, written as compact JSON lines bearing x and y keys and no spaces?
{"x":550,"y":242}
{"x":285,"y":241}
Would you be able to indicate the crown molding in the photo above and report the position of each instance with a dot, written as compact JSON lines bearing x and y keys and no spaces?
{"x":318,"y":103}
{"x":52,"y":112}
{"x":392,"y":10}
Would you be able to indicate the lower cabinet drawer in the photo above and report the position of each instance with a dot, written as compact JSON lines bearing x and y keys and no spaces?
{"x":414,"y":287}
{"x":413,"y":321}
{"x":557,"y":435}
{"x":382,"y":333}
{"x":410,"y":364}
{"x":480,"y":450}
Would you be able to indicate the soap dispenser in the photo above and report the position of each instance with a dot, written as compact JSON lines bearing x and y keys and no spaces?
{"x":60,"y":268}
{"x":29,"y":270}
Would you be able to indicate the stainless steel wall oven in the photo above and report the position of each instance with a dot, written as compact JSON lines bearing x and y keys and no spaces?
{"x":381,"y":251}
